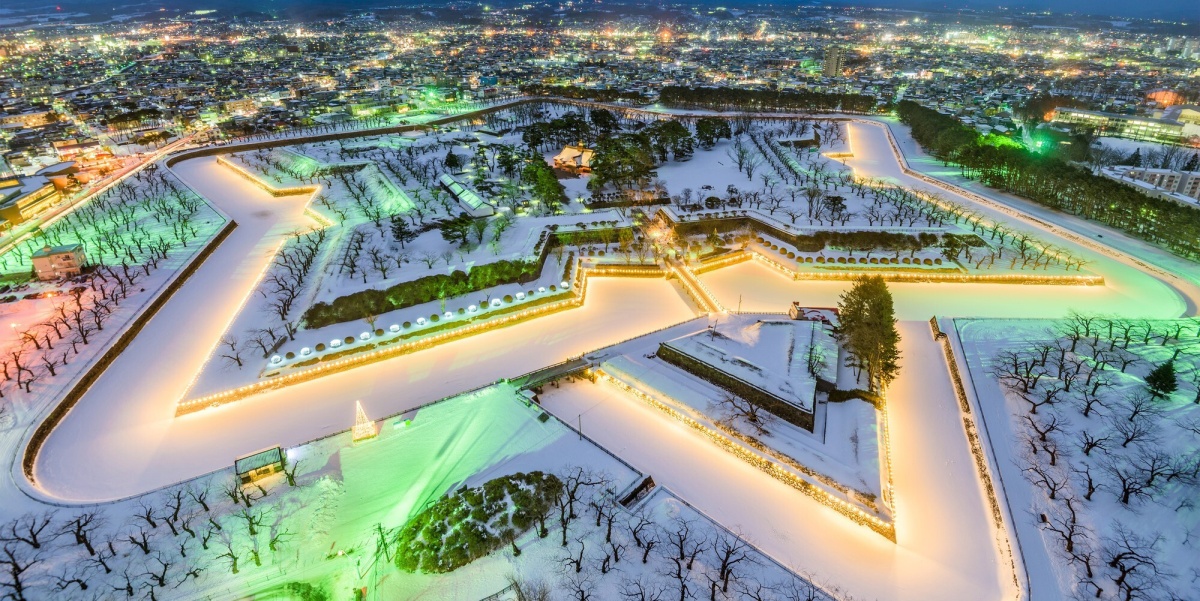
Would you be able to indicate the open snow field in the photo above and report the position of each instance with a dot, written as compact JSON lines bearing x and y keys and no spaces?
{"x":1127,"y":444}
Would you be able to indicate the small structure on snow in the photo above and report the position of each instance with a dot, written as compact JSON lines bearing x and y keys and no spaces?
{"x":259,"y":464}
{"x":364,"y":428}
{"x":55,"y":262}
{"x":575,"y":158}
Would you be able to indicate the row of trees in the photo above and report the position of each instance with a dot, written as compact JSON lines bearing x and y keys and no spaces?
{"x":743,"y":99}
{"x":421,"y":290}
{"x":150,"y":548}
{"x":124,"y":231}
{"x":1110,"y":446}
{"x":1054,"y":183}
{"x":610,"y":552}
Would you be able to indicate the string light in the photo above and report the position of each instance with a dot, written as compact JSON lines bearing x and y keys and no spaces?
{"x":771,"y":468}
{"x":364,"y":428}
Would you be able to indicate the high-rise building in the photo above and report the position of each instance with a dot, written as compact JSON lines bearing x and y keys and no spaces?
{"x":835,"y":59}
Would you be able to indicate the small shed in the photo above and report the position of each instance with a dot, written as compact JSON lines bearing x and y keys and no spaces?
{"x":259,"y":464}
{"x":575,"y":158}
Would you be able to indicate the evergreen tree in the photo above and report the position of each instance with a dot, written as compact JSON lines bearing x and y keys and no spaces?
{"x":867,"y":328}
{"x":1162,"y":381}
{"x":714,"y":239}
{"x":623,"y":161}
{"x":402,"y":231}
{"x":1193,"y":163}
{"x":605,"y":122}
{"x":452,"y":161}
{"x":457,"y":230}
{"x":1134,"y":159}
{"x":709,"y":130}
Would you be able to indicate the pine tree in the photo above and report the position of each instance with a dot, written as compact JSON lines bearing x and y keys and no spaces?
{"x":452,"y":161}
{"x":402,"y":231}
{"x":1135,"y":159}
{"x":867,"y":328}
{"x":1193,"y":163}
{"x":1162,"y":381}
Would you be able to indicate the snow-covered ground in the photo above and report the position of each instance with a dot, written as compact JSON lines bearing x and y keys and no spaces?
{"x":1111,"y":468}
{"x":944,"y":547}
{"x":123,"y":438}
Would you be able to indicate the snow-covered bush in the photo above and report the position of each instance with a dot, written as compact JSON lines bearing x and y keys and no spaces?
{"x":473,"y":522}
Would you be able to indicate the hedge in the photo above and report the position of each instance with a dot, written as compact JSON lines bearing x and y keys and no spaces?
{"x":421,"y":290}
{"x":816,"y":242}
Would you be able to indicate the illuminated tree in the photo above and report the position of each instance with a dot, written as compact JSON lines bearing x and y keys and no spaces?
{"x":867,"y":328}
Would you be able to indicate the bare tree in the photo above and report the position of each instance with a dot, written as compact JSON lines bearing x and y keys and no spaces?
{"x":1133,"y":563}
{"x":31,"y":529}
{"x":729,"y":550}
{"x":574,"y":481}
{"x":736,"y":407}
{"x":71,"y":575}
{"x":15,"y":562}
{"x":528,"y":590}
{"x":644,"y":588}
{"x":83,"y":528}
{"x":1129,"y":481}
{"x":684,"y":544}
{"x":1130,"y":431}
{"x":230,"y":555}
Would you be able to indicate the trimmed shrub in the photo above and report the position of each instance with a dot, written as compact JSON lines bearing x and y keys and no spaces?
{"x":320,"y":346}
{"x":473,"y":522}
{"x":290,"y":355}
{"x":421,"y":290}
{"x":350,"y":339}
{"x":508,"y":298}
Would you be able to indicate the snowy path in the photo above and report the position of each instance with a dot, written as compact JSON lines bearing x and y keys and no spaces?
{"x":944,"y":547}
{"x":111,"y":450}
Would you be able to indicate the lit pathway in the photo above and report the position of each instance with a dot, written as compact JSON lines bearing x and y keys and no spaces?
{"x":943,"y":548}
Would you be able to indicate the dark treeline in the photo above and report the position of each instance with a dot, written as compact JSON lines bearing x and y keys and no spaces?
{"x":363,"y":303}
{"x":578,"y":93}
{"x":1054,"y":183}
{"x":722,"y":99}
{"x":737,"y":99}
